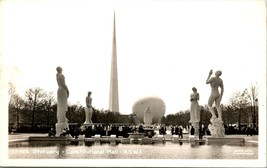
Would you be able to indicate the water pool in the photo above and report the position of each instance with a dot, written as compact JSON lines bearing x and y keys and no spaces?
{"x":167,"y":150}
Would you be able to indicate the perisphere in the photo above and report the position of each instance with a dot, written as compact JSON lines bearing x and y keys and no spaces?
{"x":156,"y":105}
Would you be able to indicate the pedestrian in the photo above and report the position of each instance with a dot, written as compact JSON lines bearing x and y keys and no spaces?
{"x":200,"y":133}
{"x":192,"y":131}
{"x":180,"y":132}
{"x":176,"y":130}
{"x":247,"y":130}
{"x":172,"y":130}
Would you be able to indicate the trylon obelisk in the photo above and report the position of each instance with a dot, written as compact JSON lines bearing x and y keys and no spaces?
{"x":114,"y":93}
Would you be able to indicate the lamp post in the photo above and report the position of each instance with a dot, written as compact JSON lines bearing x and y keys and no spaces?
{"x":18,"y":119}
{"x":32,"y":108}
{"x":239,"y":115}
{"x":18,"y":111}
{"x":254,"y":113}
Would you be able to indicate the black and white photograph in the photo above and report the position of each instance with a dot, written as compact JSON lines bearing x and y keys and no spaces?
{"x":153,"y":83}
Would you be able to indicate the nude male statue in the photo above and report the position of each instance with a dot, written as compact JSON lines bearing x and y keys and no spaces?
{"x":215,"y":96}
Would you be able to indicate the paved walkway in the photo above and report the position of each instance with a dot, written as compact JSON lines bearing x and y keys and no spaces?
{"x":25,"y":136}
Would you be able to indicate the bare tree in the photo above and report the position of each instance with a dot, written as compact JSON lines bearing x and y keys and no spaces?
{"x":252,"y":95}
{"x":48,"y":103}
{"x":228,"y":115}
{"x":35,"y":97}
{"x":15,"y":106}
{"x":239,"y":104}
{"x":11,"y":93}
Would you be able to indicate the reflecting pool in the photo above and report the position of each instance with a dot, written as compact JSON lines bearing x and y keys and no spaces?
{"x":167,"y":150}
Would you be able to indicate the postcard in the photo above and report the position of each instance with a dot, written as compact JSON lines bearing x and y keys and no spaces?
{"x":133,"y":84}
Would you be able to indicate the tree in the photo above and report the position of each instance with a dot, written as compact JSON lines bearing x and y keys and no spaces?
{"x":229,"y":115}
{"x":205,"y":115}
{"x":179,"y":118}
{"x":11,"y":93}
{"x":76,"y":114}
{"x":252,"y":95}
{"x":97,"y":116}
{"x":47,"y":108}
{"x":184,"y":118}
{"x":15,"y":106}
{"x":36,"y":98}
{"x":239,"y":104}
{"x":170,"y":119}
{"x":163,"y":119}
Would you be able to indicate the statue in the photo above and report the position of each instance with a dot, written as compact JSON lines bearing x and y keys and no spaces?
{"x":194,"y":110}
{"x":215,"y":96}
{"x":147,"y":117}
{"x":88,"y":109}
{"x":62,"y":106}
{"x":217,"y":128}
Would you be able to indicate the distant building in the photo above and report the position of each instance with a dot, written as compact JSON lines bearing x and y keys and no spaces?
{"x":156,"y":105}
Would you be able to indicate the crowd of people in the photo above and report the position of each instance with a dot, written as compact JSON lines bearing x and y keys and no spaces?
{"x":27,"y":128}
{"x":245,"y":130}
{"x":177,"y":130}
{"x":103,"y":130}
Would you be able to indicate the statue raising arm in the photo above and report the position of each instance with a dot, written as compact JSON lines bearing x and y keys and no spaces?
{"x":209,"y":80}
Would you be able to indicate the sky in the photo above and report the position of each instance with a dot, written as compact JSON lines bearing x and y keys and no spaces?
{"x":164,"y":48}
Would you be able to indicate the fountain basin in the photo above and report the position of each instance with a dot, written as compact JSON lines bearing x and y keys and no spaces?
{"x":225,"y":140}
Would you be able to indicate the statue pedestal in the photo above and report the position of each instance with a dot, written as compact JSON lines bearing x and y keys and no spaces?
{"x":225,"y":140}
{"x":60,"y":127}
{"x":136,"y":137}
{"x":192,"y":139}
{"x":196,"y":127}
{"x":88,"y":122}
{"x":217,"y":128}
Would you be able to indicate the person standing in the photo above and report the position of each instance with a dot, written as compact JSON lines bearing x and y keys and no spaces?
{"x":192,"y":131}
{"x":172,"y":129}
{"x":200,"y":133}
{"x":180,"y":132}
{"x":176,"y":130}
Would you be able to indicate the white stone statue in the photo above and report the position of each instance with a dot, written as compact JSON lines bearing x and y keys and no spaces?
{"x":217,"y":128}
{"x":88,"y":109}
{"x":62,"y":106}
{"x":194,"y":108}
{"x":147,"y":117}
{"x":215,"y":96}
